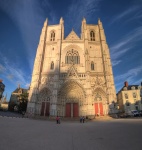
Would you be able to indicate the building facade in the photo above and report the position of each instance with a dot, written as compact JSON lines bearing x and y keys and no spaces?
{"x":14,"y":98}
{"x":129,"y":98}
{"x":72,"y":76}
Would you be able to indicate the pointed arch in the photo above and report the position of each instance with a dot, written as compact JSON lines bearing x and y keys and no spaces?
{"x":72,"y":56}
{"x":92,"y":36}
{"x":99,"y":90}
{"x":71,"y":89}
{"x":44,"y":94}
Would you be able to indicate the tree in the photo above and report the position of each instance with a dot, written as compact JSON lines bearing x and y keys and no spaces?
{"x":23,"y":100}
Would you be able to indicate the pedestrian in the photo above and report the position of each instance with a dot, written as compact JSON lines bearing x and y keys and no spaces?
{"x":83,"y":119}
{"x":57,"y":119}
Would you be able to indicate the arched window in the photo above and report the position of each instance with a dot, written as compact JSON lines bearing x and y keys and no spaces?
{"x":92,"y":36}
{"x":92,"y":66}
{"x":52,"y":65}
{"x":52,"y":38}
{"x":72,"y":57}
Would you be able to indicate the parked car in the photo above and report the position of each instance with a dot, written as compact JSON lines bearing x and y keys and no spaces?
{"x":135,"y":113}
{"x":140,"y":112}
{"x":123,"y":115}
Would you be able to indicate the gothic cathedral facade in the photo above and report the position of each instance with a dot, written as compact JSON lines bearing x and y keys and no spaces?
{"x":72,"y":76}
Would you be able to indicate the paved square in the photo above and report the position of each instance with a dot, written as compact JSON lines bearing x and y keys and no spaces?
{"x":28,"y":134}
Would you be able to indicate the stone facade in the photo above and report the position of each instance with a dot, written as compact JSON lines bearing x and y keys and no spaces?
{"x":72,"y":76}
{"x":129,"y":98}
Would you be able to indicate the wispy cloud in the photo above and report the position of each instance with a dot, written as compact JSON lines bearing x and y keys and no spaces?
{"x":131,"y":11}
{"x":28,"y":16}
{"x":130,"y":75}
{"x":79,"y":9}
{"x":12,"y":72}
{"x":125,"y":44}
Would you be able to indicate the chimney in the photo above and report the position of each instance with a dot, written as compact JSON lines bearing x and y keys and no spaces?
{"x":141,"y":83}
{"x":0,"y":80}
{"x":126,"y":84}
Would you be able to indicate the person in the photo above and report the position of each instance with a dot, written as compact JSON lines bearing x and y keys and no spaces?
{"x":57,"y":119}
{"x":83,"y":119}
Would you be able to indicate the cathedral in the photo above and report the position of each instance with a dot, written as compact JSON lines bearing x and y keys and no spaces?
{"x":72,"y":76}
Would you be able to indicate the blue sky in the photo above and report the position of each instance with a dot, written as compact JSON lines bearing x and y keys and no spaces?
{"x":21,"y":22}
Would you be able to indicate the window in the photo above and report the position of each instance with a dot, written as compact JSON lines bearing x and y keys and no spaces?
{"x":127,"y":103}
{"x":92,"y":65}
{"x":52,"y":65}
{"x":126,"y":96}
{"x":134,"y":95}
{"x":52,"y":38}
{"x":92,"y":36}
{"x":72,"y":57}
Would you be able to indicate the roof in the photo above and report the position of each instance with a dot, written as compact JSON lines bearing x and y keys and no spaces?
{"x":129,"y":87}
{"x":23,"y":90}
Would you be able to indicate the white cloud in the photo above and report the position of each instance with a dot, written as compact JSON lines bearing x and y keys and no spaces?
{"x":13,"y":73}
{"x":130,"y":75}
{"x":125,"y":44}
{"x":131,"y":10}
{"x":78,"y":10}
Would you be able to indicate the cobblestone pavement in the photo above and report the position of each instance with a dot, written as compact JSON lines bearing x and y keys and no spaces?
{"x":29,"y":134}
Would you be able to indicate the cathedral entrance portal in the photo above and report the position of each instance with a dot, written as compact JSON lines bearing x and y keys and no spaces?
{"x":71,"y":96}
{"x":45,"y":109}
{"x":99,"y":102}
{"x":44,"y":98}
{"x":72,"y":110}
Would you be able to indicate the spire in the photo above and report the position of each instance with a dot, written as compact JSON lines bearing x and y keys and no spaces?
{"x":45,"y":22}
{"x":100,"y":24}
{"x":61,"y":20}
{"x":18,"y":86}
{"x":84,"y":20}
{"x":99,"y":21}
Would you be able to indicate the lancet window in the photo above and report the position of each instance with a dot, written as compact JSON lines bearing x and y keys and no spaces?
{"x":92,"y":36}
{"x":52,"y":65}
{"x":92,"y":66}
{"x":52,"y":38}
{"x":72,"y":57}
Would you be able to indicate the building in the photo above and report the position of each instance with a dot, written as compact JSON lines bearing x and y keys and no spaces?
{"x":2,"y":87}
{"x":129,"y":98}
{"x":72,"y":76}
{"x":4,"y":104}
{"x":14,"y":98}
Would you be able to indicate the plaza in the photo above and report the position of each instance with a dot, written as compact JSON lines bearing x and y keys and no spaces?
{"x":115,"y":134}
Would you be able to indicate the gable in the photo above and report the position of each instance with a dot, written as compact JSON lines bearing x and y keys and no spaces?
{"x":72,"y":36}
{"x":72,"y":73}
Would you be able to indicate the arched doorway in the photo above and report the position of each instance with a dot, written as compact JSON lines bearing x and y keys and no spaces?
{"x":44,"y":98}
{"x":70,"y":98}
{"x":100,"y":102}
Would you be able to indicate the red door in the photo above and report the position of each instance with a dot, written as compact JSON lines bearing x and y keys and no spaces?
{"x":96,"y":109}
{"x":42,"y":108}
{"x":101,"y":109}
{"x":68,"y":109}
{"x":75,"y":109}
{"x":47,"y":109}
